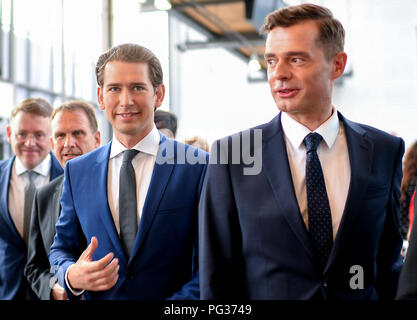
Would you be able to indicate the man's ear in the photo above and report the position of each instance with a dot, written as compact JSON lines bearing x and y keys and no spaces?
{"x":9,"y":133}
{"x":100,"y":98}
{"x":97,"y":138}
{"x":338,"y":64}
{"x":160,"y":94}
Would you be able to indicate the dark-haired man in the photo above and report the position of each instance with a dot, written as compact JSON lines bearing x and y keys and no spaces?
{"x":132,"y":198}
{"x":320,"y":220}
{"x":32,"y":166}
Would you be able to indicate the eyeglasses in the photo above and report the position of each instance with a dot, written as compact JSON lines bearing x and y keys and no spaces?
{"x":37,"y":136}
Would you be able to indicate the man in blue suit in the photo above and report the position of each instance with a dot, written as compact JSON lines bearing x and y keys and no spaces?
{"x":32,"y":166}
{"x":135,"y":198}
{"x":318,"y":220}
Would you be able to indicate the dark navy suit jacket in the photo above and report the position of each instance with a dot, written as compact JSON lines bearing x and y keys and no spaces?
{"x":12,"y":247}
{"x":164,"y":262}
{"x":254,"y":243}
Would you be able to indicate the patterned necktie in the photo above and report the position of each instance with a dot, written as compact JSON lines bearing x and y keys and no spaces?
{"x":30,"y":189}
{"x":127,"y":202}
{"x":319,"y":217}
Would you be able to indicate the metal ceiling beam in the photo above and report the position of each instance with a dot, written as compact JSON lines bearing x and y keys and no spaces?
{"x":205,"y":3}
{"x":225,"y":44}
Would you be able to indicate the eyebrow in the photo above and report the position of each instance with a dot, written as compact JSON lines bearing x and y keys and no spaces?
{"x":130,"y":84}
{"x":288,"y":54}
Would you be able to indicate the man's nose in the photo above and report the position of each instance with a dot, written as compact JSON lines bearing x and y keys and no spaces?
{"x":126,"y":97}
{"x":69,"y":140}
{"x":30,"y":140}
{"x":281,"y":71}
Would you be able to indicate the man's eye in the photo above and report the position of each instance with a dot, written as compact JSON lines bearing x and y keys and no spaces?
{"x":113,"y":89}
{"x":270,"y":61}
{"x":297,"y":60}
{"x":138,"y":88}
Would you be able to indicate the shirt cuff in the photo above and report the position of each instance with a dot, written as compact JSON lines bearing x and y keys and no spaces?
{"x":73,"y":291}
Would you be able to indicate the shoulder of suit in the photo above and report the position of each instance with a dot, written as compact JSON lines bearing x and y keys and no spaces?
{"x":179,"y":144}
{"x":267,"y":130}
{"x":50,"y":188}
{"x":93,"y":155}
{"x":374,"y":133}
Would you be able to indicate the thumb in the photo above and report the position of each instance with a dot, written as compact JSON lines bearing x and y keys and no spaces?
{"x":88,"y":253}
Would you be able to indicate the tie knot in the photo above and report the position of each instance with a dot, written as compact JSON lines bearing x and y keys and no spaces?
{"x":129,"y":154}
{"x":31,"y":175}
{"x":312,"y":141}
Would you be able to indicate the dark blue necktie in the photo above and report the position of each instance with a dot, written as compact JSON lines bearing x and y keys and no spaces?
{"x":319,"y":217}
{"x":127,"y":202}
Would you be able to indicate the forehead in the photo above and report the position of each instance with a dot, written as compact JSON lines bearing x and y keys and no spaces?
{"x":70,"y":119}
{"x":30,"y":122}
{"x":299,"y":37}
{"x":122,"y":72}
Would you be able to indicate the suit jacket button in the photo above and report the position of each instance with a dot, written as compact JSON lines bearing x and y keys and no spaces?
{"x":130,"y":275}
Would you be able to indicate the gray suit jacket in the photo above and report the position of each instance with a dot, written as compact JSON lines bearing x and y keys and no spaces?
{"x":45,"y":213}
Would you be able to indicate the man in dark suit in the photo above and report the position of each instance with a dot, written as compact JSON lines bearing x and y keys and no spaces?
{"x":32,"y":166}
{"x":318,"y":220}
{"x":74,"y":132}
{"x":136,"y":198}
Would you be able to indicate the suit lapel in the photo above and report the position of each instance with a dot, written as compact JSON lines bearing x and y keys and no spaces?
{"x":101,"y":205}
{"x":360,"y":150}
{"x":5,"y":176}
{"x":160,"y":177}
{"x":56,"y":204}
{"x":277,"y":171}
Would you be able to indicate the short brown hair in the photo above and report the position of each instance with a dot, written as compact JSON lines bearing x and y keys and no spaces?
{"x":79,"y":105}
{"x":36,"y":106}
{"x":331,"y":33}
{"x":131,"y":53}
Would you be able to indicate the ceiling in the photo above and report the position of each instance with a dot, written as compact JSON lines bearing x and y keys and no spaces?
{"x":230,"y":24}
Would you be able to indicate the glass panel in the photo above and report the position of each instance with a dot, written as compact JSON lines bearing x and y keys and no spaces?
{"x":149,"y":29}
{"x":81,"y":52}
{"x":7,"y":99}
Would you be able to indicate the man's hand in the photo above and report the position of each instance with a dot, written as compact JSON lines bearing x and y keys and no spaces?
{"x":58,"y":292}
{"x":99,"y":275}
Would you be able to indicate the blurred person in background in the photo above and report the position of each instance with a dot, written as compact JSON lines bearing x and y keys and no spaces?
{"x":198,"y":142}
{"x":166,"y":122}
{"x":74,"y":133}
{"x":408,"y":186}
{"x":32,"y":166}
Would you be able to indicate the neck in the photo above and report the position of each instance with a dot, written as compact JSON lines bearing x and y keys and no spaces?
{"x":129,"y":141}
{"x":312,"y":121}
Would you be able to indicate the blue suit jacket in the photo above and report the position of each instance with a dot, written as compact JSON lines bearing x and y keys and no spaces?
{"x":164,"y":262}
{"x":12,"y":247}
{"x":254,"y":243}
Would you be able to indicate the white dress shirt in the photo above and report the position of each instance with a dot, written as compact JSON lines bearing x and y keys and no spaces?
{"x":334,"y":159}
{"x":18,"y":180}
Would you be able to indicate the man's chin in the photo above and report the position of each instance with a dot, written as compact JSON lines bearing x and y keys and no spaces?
{"x":31,"y":163}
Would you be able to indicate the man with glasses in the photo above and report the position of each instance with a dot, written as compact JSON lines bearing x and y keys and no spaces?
{"x":32,"y":166}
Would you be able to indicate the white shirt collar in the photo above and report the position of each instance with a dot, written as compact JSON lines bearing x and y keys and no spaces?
{"x":296,"y":132}
{"x":42,"y":168}
{"x":149,"y":144}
